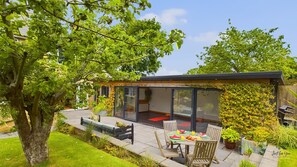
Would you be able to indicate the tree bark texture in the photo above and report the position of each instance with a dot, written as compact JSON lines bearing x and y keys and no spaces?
{"x":33,"y":128}
{"x":35,"y":148}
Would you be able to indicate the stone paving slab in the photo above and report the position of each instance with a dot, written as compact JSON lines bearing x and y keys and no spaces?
{"x":171,"y":163}
{"x":269,"y":159}
{"x":267,"y":163}
{"x":255,"y":158}
{"x":221,"y":164}
{"x":145,"y":141}
{"x":222,"y":154}
{"x":137,"y":148}
{"x":157,"y":158}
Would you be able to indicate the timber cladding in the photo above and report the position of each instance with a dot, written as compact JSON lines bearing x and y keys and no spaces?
{"x":187,"y":83}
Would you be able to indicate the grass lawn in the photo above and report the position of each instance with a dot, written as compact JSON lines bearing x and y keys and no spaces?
{"x":64,"y":151}
{"x":289,"y":159}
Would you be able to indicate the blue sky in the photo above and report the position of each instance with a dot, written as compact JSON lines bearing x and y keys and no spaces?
{"x":202,"y":21}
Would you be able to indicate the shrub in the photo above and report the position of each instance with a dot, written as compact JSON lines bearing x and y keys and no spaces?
{"x":230,"y":135}
{"x":102,"y":143}
{"x":246,"y":163}
{"x":13,"y":129}
{"x":259,"y":134}
{"x":61,"y":126}
{"x":88,"y":135}
{"x":147,"y":162}
{"x":248,"y":152}
{"x":285,"y":137}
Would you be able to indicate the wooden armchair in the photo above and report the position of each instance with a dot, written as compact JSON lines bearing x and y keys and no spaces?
{"x":203,"y":153}
{"x":168,"y":127}
{"x":214,"y":132}
{"x":167,"y":153}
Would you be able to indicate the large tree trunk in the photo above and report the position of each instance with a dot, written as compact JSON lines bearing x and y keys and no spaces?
{"x":34,"y":129}
{"x":34,"y":124}
{"x":34,"y":143}
{"x":35,"y":148}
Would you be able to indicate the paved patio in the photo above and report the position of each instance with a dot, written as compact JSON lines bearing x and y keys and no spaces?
{"x":145,"y":142}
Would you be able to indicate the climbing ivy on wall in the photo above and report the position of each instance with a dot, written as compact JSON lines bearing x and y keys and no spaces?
{"x":109,"y":103}
{"x":247,"y":106}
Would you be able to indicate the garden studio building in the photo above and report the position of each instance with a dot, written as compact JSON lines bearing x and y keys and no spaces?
{"x":193,"y":100}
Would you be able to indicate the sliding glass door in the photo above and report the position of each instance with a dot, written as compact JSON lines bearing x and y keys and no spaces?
{"x":119,"y":102}
{"x":130,"y":103}
{"x":125,"y":103}
{"x":182,"y":108}
{"x":207,"y":108}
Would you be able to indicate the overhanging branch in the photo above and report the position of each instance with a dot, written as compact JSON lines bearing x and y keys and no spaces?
{"x":96,"y":32}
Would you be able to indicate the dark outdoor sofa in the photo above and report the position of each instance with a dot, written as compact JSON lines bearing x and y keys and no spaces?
{"x":121,"y":133}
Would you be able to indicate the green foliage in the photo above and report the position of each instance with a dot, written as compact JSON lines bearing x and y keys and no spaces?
{"x":13,"y":129}
{"x":295,"y":95}
{"x":69,"y":45}
{"x":260,"y":134}
{"x":248,"y":151}
{"x":88,"y":135}
{"x":247,"y":51}
{"x":146,"y":162}
{"x":248,"y":106}
{"x":120,"y":124}
{"x":230,"y":135}
{"x":102,"y":143}
{"x":101,"y":105}
{"x":246,"y":163}
{"x":283,"y":137}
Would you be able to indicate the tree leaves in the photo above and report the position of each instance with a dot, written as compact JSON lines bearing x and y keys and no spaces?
{"x":247,"y":51}
{"x":71,"y":41}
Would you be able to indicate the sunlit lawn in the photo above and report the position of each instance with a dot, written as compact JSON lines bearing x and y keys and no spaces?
{"x":64,"y":151}
{"x":288,"y":159}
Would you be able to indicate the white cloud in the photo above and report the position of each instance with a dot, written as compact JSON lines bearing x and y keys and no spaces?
{"x":164,"y":71}
{"x":207,"y":37}
{"x":168,"y":17}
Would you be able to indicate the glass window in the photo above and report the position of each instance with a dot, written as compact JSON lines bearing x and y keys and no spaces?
{"x":207,"y":108}
{"x":104,"y":91}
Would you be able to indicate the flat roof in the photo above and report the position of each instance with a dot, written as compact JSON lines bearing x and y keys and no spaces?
{"x":272,"y":75}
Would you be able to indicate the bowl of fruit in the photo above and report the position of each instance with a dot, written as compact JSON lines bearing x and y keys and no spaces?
{"x":182,"y":131}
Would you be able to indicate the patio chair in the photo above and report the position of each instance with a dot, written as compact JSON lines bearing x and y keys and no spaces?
{"x":167,"y":153}
{"x":168,"y":127}
{"x":214,"y":132}
{"x":203,"y":153}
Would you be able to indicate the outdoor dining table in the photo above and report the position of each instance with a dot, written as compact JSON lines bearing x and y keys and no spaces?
{"x":186,"y":142}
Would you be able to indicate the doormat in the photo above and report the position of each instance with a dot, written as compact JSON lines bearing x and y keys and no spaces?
{"x":184,"y":124}
{"x":156,"y":119}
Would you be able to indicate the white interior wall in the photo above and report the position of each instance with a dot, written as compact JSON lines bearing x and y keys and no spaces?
{"x":141,"y":93}
{"x":142,"y":107}
{"x":161,"y":99}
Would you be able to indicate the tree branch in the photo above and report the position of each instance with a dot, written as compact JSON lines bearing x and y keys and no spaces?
{"x":91,"y":3}
{"x":96,"y":32}
{"x":35,"y":115}
{"x":21,"y":68}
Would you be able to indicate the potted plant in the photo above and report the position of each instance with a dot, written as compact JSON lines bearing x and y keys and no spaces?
{"x":230,"y":137}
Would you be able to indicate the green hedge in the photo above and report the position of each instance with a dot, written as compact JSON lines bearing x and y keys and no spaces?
{"x":245,"y":107}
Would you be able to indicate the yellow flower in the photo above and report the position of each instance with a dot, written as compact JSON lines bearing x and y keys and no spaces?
{"x":93,"y":135}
